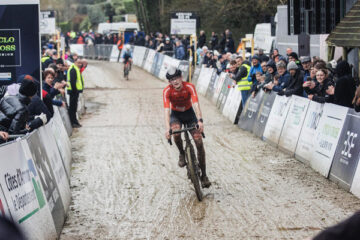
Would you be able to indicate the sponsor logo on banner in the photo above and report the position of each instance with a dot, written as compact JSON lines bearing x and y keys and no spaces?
{"x":327,"y":137}
{"x":10,"y":48}
{"x":348,"y":145}
{"x":293,"y":123}
{"x":347,"y":152}
{"x":20,"y":184}
{"x":277,"y":118}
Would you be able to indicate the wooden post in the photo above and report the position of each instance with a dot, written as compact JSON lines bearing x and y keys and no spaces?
{"x":331,"y":52}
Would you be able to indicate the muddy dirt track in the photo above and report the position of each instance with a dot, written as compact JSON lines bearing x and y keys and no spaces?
{"x":126,"y":183}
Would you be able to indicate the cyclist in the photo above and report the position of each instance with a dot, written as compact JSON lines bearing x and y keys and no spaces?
{"x":127,"y":56}
{"x":182,"y":99}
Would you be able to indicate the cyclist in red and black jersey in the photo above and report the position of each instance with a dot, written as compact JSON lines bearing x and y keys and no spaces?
{"x":180,"y":101}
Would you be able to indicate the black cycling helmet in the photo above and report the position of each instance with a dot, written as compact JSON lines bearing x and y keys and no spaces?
{"x":173,"y":73}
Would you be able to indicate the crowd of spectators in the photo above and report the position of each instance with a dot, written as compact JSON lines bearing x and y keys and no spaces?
{"x":26,"y":106}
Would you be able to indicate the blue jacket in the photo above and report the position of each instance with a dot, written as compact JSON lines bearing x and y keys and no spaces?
{"x":180,"y":52}
{"x":283,"y":82}
{"x":253,"y":71}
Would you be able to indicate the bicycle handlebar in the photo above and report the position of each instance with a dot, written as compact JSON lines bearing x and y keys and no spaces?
{"x":184,"y":130}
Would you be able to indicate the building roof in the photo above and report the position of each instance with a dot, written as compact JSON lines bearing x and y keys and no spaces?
{"x":347,"y":31}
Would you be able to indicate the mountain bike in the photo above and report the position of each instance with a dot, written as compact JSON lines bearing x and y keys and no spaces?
{"x":127,"y":70}
{"x":192,"y":164}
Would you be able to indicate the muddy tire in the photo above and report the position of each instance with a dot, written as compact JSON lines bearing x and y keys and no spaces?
{"x":193,"y":171}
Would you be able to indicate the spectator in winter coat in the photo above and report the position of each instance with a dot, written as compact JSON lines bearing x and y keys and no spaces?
{"x":344,"y":91}
{"x":15,"y":110}
{"x":229,"y":44}
{"x":168,"y":47}
{"x":296,"y":81}
{"x":256,"y":67}
{"x":52,"y":90}
{"x":202,"y":39}
{"x":293,"y":57}
{"x":318,"y":93}
{"x":179,"y":51}
{"x":214,"y":41}
{"x":284,"y":78}
{"x":262,"y":56}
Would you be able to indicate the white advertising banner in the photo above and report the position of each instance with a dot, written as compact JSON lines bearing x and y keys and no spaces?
{"x":293,"y":123}
{"x":25,"y":197}
{"x":138,"y":55}
{"x":204,"y":80}
{"x":62,"y":141}
{"x":4,"y":208}
{"x":149,"y":60}
{"x":234,"y":106}
{"x":115,"y":54}
{"x":327,"y":136}
{"x":77,"y":48}
{"x":47,"y":22}
{"x":305,"y":146}
{"x":56,"y":164}
{"x":167,"y":63}
{"x":355,"y":186}
{"x":218,"y":86}
{"x":275,"y":123}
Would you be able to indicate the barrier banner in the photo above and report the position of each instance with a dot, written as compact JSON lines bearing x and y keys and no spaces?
{"x":263,"y":113}
{"x":114,"y":54}
{"x":204,"y":80}
{"x":305,"y":145}
{"x":62,"y":141}
{"x":293,"y":124}
{"x":275,"y":123}
{"x":217,"y":87}
{"x":235,"y":106}
{"x":19,"y":40}
{"x":65,"y":118}
{"x":250,"y":112}
{"x":4,"y":208}
{"x":47,"y":179}
{"x":78,"y":49}
{"x":224,"y":93}
{"x":195,"y":76}
{"x":24,"y":195}
{"x":184,"y":67}
{"x":158,"y":64}
{"x":56,"y":164}
{"x":327,"y":137}
{"x":149,"y":60}
{"x":137,"y":55}
{"x":347,"y":153}
{"x":167,"y":63}
{"x":211,"y":89}
{"x":144,"y":58}
{"x":154,"y":63}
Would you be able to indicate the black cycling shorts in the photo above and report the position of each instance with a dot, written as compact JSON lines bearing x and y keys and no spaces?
{"x":187,"y":118}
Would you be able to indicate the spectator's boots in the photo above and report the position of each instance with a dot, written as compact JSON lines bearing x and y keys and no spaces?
{"x":205,"y":183}
{"x":182,"y":162}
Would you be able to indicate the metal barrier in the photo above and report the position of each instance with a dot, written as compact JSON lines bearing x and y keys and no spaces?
{"x":99,"y":51}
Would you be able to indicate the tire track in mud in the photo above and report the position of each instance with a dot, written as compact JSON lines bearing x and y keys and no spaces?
{"x":126,"y":184}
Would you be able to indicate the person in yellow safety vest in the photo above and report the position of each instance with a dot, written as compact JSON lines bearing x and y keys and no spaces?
{"x":75,"y":86}
{"x":47,"y":59}
{"x":241,"y":78}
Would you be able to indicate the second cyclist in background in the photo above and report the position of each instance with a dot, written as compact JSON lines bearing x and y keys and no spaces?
{"x":127,"y":56}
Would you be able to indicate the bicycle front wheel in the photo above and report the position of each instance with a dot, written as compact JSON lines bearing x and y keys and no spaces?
{"x":193,"y":171}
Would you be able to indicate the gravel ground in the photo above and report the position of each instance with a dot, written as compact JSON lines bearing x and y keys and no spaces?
{"x":126,"y":184}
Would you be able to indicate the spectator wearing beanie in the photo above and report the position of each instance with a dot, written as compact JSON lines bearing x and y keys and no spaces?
{"x":293,"y":57}
{"x":296,"y":81}
{"x":284,"y":78}
{"x":15,"y":108}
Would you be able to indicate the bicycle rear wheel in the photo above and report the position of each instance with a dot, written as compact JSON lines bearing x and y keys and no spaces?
{"x":193,"y":171}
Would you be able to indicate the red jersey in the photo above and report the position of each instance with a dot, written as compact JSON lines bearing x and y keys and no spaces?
{"x":180,"y":100}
